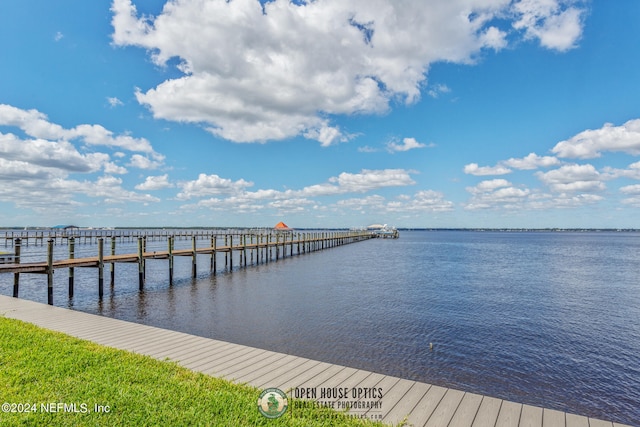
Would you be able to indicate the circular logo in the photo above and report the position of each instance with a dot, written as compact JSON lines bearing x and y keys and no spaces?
{"x":272,"y":403}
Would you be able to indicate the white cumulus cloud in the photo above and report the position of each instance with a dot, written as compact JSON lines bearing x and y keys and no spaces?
{"x":531,"y":161}
{"x":592,"y":142}
{"x":208,"y":185}
{"x":407,"y":144}
{"x":253,"y":72}
{"x":496,"y":193}
{"x":557,"y":24}
{"x":573,"y":178}
{"x":154,"y":183}
{"x":475,"y":169}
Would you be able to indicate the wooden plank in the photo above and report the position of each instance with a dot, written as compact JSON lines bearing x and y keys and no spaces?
{"x":197,"y":352}
{"x":443,"y":413}
{"x":487,"y":415}
{"x":386,"y":384}
{"x":284,"y":374}
{"x":466,"y":412}
{"x":229,"y":353}
{"x":404,"y":408}
{"x":118,"y":334}
{"x":260,"y":369}
{"x":227,"y":357}
{"x":531,"y":416}
{"x":156,"y":342}
{"x":299,"y":379}
{"x":426,"y":406}
{"x":372,"y":380}
{"x":599,"y":423}
{"x":509,"y":415}
{"x":251,"y":359}
{"x":352,"y":382}
{"x":323,"y":376}
{"x":126,"y":340}
{"x":337,"y":379}
{"x":551,"y":418}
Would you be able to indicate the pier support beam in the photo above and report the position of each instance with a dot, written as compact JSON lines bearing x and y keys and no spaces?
{"x":16,"y":259}
{"x":72,"y":255}
{"x":140,"y":265}
{"x":244,"y":248}
{"x":226,"y":254}
{"x":170,"y":250}
{"x":214,"y":254}
{"x":100,"y":267}
{"x":50,"y":272}
{"x":113,"y":264}
{"x":194,"y":265}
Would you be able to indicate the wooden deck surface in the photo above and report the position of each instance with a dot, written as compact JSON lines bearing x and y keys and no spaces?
{"x":418,"y":403}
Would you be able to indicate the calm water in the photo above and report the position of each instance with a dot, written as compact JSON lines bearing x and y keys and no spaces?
{"x":548,"y":319}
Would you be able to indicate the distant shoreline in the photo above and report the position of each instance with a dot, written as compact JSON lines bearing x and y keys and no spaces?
{"x":476,"y":229}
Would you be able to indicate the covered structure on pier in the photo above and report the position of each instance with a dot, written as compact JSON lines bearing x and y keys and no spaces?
{"x":282,"y":227}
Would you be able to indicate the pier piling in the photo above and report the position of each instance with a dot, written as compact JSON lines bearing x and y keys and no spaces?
{"x":50,"y":271}
{"x":100,"y":267}
{"x":112,"y":268}
{"x":170,"y":251}
{"x":72,"y":245}
{"x":16,"y":259}
{"x":194,"y":262}
{"x":140,"y":265}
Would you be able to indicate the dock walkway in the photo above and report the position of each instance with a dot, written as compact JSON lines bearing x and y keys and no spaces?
{"x":418,"y":403}
{"x":261,"y":247}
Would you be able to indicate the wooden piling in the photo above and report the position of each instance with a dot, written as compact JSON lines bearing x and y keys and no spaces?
{"x":214,"y":254}
{"x":244,"y":248}
{"x":194,"y":266}
{"x":226,"y":254}
{"x":50,"y":272}
{"x":16,"y":259}
{"x":72,"y":255}
{"x":268,"y":248}
{"x":170,"y":250}
{"x":112,"y":268}
{"x":140,"y":265}
{"x":100,"y":267}
{"x":144,"y":262}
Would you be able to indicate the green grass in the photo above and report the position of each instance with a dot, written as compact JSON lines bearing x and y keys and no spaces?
{"x":41,"y":367}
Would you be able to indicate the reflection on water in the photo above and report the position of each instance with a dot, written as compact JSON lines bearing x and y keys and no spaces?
{"x":549,"y":319}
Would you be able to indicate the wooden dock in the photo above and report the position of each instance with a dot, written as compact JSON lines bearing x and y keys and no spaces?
{"x":390,"y":400}
{"x":258,"y":247}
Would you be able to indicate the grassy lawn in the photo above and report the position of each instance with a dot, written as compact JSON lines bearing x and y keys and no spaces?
{"x":49,"y":369}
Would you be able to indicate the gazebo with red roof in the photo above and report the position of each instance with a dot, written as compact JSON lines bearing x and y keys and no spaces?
{"x":281,"y":226}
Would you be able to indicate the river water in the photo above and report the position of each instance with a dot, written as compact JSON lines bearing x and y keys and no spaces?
{"x":545,"y":318}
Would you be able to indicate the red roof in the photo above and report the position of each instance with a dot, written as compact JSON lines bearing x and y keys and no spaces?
{"x":281,"y":226}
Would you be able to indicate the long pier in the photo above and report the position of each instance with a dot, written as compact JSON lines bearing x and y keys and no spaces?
{"x":369,"y":395}
{"x":252,"y":247}
{"x":122,"y":235}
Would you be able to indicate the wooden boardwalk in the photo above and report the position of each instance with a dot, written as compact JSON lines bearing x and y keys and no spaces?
{"x":418,"y":403}
{"x":262,"y":249}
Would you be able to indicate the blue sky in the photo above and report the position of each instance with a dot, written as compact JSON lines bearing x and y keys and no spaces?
{"x":456,"y":113}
